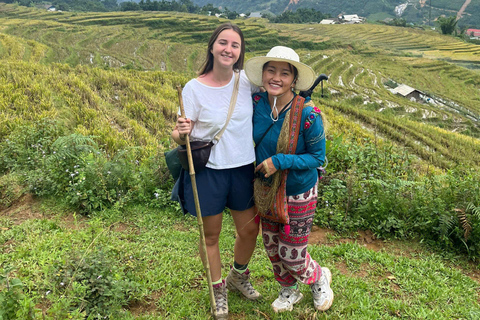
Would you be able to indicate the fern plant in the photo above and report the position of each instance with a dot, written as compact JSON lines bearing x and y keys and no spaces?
{"x":72,"y":146}
{"x":464,"y":222}
{"x":475,"y":210}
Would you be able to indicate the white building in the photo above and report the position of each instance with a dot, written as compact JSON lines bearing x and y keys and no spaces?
{"x":328,"y":21}
{"x":351,"y":18}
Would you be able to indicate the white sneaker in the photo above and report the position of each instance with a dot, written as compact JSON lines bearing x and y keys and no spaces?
{"x":321,"y":291}
{"x":286,"y":299}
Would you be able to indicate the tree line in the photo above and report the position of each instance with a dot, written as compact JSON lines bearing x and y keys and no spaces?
{"x":72,"y":5}
{"x":301,"y":15}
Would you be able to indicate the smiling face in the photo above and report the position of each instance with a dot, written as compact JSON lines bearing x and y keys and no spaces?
{"x":278,"y":77}
{"x":226,"y":49}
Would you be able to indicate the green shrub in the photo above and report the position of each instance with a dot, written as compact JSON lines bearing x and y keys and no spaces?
{"x":74,"y":169}
{"x":92,"y":284}
{"x":26,"y":147}
{"x":377,"y":188}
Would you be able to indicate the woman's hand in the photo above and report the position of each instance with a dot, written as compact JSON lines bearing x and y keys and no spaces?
{"x":183,"y":127}
{"x":266,"y":167}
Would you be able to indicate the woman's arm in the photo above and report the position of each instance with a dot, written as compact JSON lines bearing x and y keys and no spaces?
{"x":313,"y":157}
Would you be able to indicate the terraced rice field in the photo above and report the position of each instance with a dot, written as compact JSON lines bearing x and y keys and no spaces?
{"x":358,"y":59}
{"x":415,"y":41}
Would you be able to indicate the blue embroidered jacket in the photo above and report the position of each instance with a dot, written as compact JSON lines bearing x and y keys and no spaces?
{"x":310,"y":152}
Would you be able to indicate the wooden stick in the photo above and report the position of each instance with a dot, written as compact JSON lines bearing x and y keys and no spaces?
{"x":203,"y":252}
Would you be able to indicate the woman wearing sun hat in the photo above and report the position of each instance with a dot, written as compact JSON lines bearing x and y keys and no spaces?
{"x":289,"y":145}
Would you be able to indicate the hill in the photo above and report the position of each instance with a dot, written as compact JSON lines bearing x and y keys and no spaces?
{"x":416,"y":11}
{"x":359,"y":59}
{"x":121,"y":105}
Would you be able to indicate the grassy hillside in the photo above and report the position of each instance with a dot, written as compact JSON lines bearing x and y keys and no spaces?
{"x":162,"y":41}
{"x":124,"y":107}
{"x":121,"y":105}
{"x":121,"y":108}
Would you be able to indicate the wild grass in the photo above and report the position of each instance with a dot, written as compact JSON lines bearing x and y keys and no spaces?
{"x":114,"y":106}
{"x":155,"y":252}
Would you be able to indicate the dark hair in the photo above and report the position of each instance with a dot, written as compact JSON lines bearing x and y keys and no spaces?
{"x":208,"y":64}
{"x":291,"y":67}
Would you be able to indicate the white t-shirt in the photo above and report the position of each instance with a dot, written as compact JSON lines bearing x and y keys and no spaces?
{"x":208,"y":108}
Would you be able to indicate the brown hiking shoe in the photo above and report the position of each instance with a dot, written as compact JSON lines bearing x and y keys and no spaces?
{"x":241,"y":282}
{"x":221,"y":301}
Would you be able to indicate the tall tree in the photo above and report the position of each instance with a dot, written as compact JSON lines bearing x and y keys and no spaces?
{"x":447,"y":24}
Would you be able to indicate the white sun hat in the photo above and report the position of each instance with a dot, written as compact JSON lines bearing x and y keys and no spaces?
{"x":254,"y":67}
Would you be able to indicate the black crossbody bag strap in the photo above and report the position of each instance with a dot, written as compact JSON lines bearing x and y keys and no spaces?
{"x":257,"y":144}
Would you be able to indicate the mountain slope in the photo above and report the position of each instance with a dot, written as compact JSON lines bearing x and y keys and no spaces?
{"x":417,"y":11}
{"x":359,"y":60}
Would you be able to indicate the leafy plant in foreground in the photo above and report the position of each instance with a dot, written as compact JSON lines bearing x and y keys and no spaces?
{"x":13,"y":303}
{"x":92,"y":283}
{"x":76,"y":170}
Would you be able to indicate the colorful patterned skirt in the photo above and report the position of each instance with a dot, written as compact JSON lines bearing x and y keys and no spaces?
{"x":288,"y":252}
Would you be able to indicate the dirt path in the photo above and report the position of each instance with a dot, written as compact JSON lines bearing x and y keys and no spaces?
{"x":462,"y":9}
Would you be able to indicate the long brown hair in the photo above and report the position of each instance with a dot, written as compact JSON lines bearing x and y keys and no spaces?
{"x":208,"y":64}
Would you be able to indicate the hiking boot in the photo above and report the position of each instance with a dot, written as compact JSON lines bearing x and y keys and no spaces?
{"x":221,"y":301}
{"x":321,"y":291}
{"x":241,"y":282}
{"x":286,"y":299}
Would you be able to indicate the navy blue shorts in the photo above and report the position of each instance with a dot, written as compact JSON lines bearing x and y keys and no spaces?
{"x":217,"y":189}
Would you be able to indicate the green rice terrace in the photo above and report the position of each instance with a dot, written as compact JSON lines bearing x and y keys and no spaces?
{"x":87,"y":230}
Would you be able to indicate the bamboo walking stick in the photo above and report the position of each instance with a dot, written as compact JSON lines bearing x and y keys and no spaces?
{"x":203,"y":245}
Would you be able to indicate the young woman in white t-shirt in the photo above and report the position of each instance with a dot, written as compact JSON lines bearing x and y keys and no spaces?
{"x":227,"y":180}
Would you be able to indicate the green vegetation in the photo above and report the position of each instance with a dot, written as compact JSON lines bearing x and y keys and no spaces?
{"x":14,"y":304}
{"x":376,"y":188}
{"x":180,"y":6}
{"x":299,"y":16}
{"x":416,"y":12}
{"x":112,"y":117}
{"x":447,"y":24}
{"x":142,"y":263}
{"x":87,"y":102}
{"x":72,"y":5}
